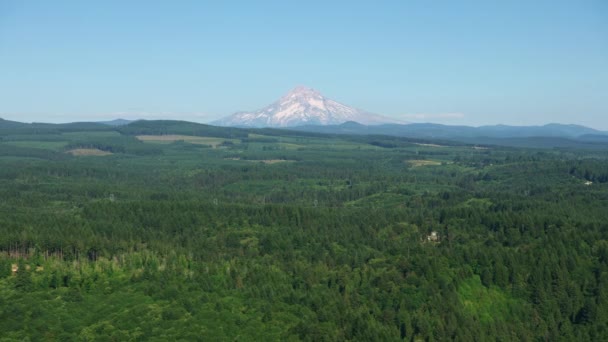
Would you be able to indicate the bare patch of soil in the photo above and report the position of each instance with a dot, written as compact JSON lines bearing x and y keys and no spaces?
{"x":88,"y":152}
{"x":420,"y":162}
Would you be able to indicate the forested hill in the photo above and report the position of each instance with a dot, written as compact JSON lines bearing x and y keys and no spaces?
{"x":180,"y":127}
{"x":547,"y":136}
{"x":13,"y":127}
{"x":10,"y":124}
{"x":179,"y":231}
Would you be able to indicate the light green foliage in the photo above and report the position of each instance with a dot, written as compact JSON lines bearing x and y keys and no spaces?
{"x":489,"y":304}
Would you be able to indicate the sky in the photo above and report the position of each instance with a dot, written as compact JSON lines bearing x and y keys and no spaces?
{"x":452,"y":62}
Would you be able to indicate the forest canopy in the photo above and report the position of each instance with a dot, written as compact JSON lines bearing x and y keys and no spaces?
{"x":230,"y":234}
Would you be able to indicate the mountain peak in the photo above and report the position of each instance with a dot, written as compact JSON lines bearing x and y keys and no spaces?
{"x":302,"y":106}
{"x":303,"y":91}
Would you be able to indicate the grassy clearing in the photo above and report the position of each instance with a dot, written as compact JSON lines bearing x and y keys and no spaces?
{"x":88,"y":152}
{"x":429,"y":145}
{"x":263,"y":161}
{"x":272,"y":161}
{"x":421,"y":162}
{"x":487,"y":304}
{"x":167,"y":139}
{"x":479,"y":203}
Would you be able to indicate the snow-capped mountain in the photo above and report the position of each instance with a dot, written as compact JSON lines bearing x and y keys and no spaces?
{"x":302,"y":106}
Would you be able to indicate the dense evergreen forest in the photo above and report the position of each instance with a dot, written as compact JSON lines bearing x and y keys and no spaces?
{"x":174,"y":231}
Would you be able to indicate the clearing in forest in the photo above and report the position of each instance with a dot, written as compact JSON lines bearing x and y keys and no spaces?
{"x":88,"y":152}
{"x":429,"y":145}
{"x":264,"y":161}
{"x":421,"y":162}
{"x":272,"y":161}
{"x":489,"y":304}
{"x":169,"y":138}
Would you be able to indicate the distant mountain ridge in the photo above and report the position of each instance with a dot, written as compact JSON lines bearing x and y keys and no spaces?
{"x":547,"y":136}
{"x":7,"y":124}
{"x":415,"y":130}
{"x":429,"y":130}
{"x":302,"y":106}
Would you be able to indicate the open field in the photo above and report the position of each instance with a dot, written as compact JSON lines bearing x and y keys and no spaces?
{"x":273,"y":161}
{"x":263,"y":161}
{"x":429,"y":145}
{"x":88,"y":152}
{"x":169,"y":138}
{"x":420,"y":162}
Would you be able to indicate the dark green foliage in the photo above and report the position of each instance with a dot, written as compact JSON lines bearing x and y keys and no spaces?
{"x":27,"y":152}
{"x":298,"y":237}
{"x":161,"y":127}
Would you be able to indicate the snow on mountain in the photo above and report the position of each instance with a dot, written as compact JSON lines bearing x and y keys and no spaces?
{"x":302,"y":106}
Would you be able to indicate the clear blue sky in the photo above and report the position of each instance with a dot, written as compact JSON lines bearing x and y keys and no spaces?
{"x":456,"y":62}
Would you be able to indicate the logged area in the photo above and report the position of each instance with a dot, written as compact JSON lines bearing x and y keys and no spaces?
{"x":176,"y":231}
{"x":169,"y":138}
{"x":88,"y":152}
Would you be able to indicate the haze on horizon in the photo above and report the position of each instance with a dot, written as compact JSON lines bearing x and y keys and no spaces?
{"x":467,"y":63}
